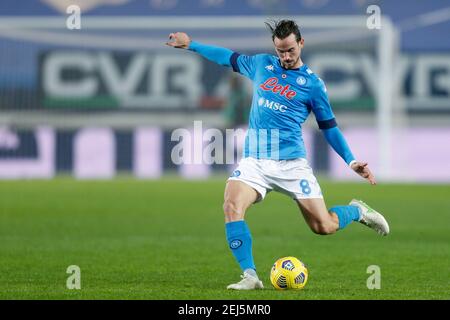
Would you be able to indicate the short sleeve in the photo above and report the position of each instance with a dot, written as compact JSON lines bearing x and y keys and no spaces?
{"x":321,"y":106}
{"x":243,"y":64}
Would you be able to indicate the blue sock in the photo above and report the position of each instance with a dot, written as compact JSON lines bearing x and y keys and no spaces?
{"x":240,"y":242}
{"x":346,"y":214}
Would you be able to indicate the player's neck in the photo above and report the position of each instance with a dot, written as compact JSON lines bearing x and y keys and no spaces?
{"x":299,"y":64}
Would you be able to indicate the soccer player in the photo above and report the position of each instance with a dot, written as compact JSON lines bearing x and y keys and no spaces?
{"x":285,"y":92}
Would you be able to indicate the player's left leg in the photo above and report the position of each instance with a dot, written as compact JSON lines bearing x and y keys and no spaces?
{"x":323,"y":221}
{"x":296,"y":179}
{"x":371,"y":218}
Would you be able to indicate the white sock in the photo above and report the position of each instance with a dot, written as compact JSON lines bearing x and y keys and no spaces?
{"x":251,"y":272}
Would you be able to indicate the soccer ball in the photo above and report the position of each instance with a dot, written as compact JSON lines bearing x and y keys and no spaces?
{"x":288,"y":273}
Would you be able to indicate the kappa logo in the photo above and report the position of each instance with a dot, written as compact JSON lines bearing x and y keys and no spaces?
{"x":270,"y":67}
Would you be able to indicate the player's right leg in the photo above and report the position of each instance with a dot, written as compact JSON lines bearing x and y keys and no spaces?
{"x":237,"y":199}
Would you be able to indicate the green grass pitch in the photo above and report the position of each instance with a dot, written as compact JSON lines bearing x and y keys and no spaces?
{"x":165,"y":240}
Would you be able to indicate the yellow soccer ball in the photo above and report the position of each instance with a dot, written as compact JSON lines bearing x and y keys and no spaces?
{"x":288,"y":273}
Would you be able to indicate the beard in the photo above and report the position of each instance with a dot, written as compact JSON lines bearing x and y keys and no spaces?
{"x":290,"y":64}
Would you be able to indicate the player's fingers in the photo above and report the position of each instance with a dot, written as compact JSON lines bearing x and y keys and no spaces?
{"x":172,"y":35}
{"x":370,"y":177}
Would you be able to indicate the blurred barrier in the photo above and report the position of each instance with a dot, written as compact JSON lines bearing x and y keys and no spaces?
{"x":419,"y":154}
{"x":146,"y":153}
{"x":105,"y":99}
{"x":27,"y":154}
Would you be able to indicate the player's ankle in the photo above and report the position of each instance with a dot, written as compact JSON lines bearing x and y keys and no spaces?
{"x":251,"y":272}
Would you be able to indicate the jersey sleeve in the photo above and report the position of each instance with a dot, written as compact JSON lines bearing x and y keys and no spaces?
{"x":336,"y":140}
{"x":321,"y":107}
{"x":215,"y":54}
{"x":243,"y":64}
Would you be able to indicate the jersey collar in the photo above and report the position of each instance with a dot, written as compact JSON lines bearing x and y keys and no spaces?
{"x":302,"y":68}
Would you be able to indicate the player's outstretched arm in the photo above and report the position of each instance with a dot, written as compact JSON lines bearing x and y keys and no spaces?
{"x":336,"y":140}
{"x":327,"y":123}
{"x":218,"y":55}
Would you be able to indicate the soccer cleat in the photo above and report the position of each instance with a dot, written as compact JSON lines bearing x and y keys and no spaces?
{"x":248,"y":282}
{"x":371,"y":218}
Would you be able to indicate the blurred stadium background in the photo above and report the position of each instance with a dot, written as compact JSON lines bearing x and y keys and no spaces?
{"x":102,"y":103}
{"x":105,"y":99}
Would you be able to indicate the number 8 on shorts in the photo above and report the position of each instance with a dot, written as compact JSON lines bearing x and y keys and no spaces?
{"x":304,"y":185}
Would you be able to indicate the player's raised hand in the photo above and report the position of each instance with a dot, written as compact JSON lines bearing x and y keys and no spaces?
{"x":179,"y":40}
{"x":363,"y":170}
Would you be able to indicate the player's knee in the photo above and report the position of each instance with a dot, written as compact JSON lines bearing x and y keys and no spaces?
{"x":323,"y":228}
{"x":232,"y":211}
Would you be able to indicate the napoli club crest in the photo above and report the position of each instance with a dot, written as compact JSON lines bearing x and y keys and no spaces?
{"x":301,"y":81}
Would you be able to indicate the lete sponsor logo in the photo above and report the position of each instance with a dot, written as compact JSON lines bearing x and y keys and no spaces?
{"x":271,"y":84}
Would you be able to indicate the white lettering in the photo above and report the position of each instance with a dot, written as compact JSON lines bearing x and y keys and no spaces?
{"x":374,"y":20}
{"x":374,"y":281}
{"x":73,"y":281}
{"x":74,"y":20}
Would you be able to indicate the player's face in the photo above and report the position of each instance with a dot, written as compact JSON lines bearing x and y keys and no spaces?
{"x":289,"y":50}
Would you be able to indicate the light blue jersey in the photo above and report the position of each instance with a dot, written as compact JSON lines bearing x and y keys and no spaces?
{"x":282,"y":100}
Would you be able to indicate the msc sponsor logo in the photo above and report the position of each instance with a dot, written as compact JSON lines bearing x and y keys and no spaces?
{"x":262,"y":102}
